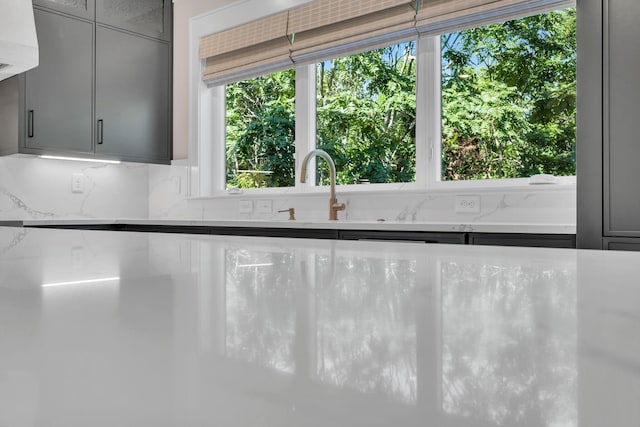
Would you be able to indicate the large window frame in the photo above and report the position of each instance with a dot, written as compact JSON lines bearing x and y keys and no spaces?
{"x":207,"y":156}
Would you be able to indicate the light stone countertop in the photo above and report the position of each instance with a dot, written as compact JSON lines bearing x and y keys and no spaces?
{"x":101,"y":328}
{"x":326,"y":225}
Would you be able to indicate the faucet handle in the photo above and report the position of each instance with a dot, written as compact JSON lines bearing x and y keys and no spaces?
{"x":292,"y":213}
{"x":338,"y":206}
{"x":334,"y":207}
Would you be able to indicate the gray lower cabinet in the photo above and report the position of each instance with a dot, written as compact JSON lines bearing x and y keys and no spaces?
{"x":608,"y":149}
{"x":622,"y":244}
{"x":59,"y":92}
{"x":276,"y":232}
{"x":521,"y":239}
{"x":132,"y":97}
{"x":404,"y":236}
{"x":622,"y":92}
{"x":495,"y":239}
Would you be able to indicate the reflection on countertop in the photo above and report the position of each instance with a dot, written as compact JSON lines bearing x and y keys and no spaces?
{"x":101,"y":328}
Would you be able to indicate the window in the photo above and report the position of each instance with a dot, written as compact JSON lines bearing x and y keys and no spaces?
{"x":260,"y":131}
{"x":366,"y":115}
{"x":486,"y":105}
{"x":509,"y":98}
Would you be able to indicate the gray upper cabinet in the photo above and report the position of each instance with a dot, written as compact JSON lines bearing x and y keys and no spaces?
{"x":148,"y":17}
{"x":81,"y":8}
{"x":621,"y":136}
{"x":59,"y":97}
{"x":132,"y":96}
{"x":99,"y":91}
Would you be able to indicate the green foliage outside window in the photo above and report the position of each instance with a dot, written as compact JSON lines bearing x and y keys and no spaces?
{"x":508,"y":110}
{"x":366,"y":115}
{"x":261,"y":131}
{"x":509,"y":98}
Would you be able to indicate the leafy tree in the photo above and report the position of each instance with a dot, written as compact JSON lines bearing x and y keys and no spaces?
{"x":509,"y":98}
{"x":366,"y":115}
{"x":508,"y":109}
{"x":261,"y":131}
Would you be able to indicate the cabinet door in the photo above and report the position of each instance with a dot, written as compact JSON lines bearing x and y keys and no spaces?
{"x":59,"y":92}
{"x":132,"y":97}
{"x":622,"y":92}
{"x":148,"y":17}
{"x":528,"y":240}
{"x":404,"y":236}
{"x":622,"y":244}
{"x":81,"y":8}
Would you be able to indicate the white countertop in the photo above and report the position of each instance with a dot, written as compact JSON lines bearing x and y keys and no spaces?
{"x":332,"y":225}
{"x":102,"y":328}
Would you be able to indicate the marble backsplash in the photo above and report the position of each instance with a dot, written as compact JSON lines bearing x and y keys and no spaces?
{"x":41,"y":189}
{"x":538,"y":205}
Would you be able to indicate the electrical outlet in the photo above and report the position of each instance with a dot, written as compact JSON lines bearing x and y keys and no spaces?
{"x":264,"y":206}
{"x":246,"y":207}
{"x":467,"y":204}
{"x":77,"y":183}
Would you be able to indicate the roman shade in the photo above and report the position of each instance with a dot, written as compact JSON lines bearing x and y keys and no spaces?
{"x":250,"y":50}
{"x":325,"y":29}
{"x":436,"y":17}
{"x":330,"y":28}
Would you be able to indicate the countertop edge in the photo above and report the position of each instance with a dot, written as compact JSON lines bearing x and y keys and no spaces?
{"x":515,"y":228}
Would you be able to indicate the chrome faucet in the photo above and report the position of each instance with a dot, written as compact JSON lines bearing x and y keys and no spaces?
{"x":334,"y":206}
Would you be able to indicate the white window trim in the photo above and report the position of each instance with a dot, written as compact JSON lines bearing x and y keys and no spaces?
{"x":204,"y":158}
{"x":428,"y":99}
{"x":207,"y":156}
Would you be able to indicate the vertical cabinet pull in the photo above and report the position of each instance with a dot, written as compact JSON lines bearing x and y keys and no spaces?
{"x":100,"y":132}
{"x":30,"y":124}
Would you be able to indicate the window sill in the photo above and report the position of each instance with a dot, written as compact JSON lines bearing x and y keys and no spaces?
{"x":453,"y":188}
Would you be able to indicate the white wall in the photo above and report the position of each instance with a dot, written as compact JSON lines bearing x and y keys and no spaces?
{"x":183,"y":11}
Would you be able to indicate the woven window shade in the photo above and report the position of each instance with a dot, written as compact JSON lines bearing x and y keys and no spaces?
{"x":331,"y":28}
{"x":256,"y":48}
{"x":442,"y":16}
{"x":327,"y":29}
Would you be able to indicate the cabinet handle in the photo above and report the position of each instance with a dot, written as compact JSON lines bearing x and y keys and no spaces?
{"x":30,"y":124}
{"x":100,"y":132}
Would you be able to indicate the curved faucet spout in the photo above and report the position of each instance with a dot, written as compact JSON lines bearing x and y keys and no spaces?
{"x":334,"y":206}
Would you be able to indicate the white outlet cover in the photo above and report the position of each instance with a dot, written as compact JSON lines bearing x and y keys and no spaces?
{"x":264,"y":206}
{"x":245,"y":207}
{"x":77,"y":182}
{"x":467,"y":204}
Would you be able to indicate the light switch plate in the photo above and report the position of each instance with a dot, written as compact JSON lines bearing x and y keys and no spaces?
{"x":467,"y":204}
{"x":245,"y":207}
{"x":77,"y":182}
{"x":264,"y":206}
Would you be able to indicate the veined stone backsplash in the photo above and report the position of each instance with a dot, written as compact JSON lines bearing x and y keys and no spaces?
{"x":545,"y":206}
{"x":41,"y":189}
